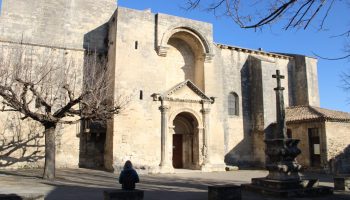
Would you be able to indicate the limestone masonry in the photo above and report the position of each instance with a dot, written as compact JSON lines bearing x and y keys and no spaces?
{"x":195,"y":104}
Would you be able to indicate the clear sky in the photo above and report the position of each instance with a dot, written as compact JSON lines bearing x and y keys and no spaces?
{"x":274,"y":39}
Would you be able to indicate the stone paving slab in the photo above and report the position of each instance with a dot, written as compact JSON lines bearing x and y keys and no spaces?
{"x":90,"y":184}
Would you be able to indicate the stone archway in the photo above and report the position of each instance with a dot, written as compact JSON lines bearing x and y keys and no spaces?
{"x":185,"y":143}
{"x":186,"y":54}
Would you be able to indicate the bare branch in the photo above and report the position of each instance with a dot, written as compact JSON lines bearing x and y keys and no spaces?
{"x":336,"y":58}
{"x":65,"y":109}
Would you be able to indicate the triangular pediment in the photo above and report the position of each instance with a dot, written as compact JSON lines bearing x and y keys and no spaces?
{"x":186,"y":91}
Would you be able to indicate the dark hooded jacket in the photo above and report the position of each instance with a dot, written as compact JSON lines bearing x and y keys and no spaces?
{"x":128,"y":177}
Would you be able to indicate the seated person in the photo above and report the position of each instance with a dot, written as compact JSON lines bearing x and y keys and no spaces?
{"x":128,"y":177}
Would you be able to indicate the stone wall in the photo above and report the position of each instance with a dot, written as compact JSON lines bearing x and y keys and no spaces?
{"x":300,"y":131}
{"x":22,"y":143}
{"x":61,"y":23}
{"x":338,"y":147}
{"x":136,"y":131}
{"x":23,"y":140}
{"x":304,"y":82}
{"x":263,"y":99}
{"x":66,"y":26}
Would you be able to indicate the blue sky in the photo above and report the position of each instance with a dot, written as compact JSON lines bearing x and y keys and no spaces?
{"x":274,"y":39}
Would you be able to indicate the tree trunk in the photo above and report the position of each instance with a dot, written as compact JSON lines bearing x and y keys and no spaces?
{"x":50,"y":152}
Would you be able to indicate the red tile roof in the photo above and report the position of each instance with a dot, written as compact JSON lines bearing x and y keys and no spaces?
{"x":312,"y":113}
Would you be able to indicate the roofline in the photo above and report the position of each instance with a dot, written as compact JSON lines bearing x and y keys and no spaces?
{"x":319,"y":119}
{"x":257,"y":52}
{"x":294,"y":54}
{"x":149,"y":10}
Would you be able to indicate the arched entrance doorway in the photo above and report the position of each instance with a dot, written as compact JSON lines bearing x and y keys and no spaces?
{"x":185,"y":142}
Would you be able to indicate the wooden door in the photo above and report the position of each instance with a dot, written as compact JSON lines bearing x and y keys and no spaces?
{"x":314,"y":146}
{"x":177,"y":151}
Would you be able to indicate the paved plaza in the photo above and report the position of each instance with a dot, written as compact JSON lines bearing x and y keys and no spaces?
{"x":89,"y":184}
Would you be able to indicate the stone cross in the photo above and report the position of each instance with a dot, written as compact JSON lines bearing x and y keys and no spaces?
{"x":281,"y":131}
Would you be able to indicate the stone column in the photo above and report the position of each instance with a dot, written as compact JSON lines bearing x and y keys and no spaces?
{"x":199,"y":149}
{"x":206,"y":149}
{"x":165,"y":165}
{"x":169,"y":148}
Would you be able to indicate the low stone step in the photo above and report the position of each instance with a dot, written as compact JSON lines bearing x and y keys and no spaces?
{"x":303,"y":192}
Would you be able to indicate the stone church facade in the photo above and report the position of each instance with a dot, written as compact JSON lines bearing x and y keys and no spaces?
{"x":195,"y":104}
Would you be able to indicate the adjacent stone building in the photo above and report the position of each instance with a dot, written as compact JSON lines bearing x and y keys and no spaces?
{"x":323,"y":134}
{"x":195,"y":104}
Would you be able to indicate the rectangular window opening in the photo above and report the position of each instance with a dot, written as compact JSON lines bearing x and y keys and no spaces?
{"x":136,"y":44}
{"x":141,"y":94}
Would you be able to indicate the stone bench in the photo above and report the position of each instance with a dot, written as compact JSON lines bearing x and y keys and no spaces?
{"x":342,"y":183}
{"x":22,"y":197}
{"x":224,"y":192}
{"x":123,"y":194}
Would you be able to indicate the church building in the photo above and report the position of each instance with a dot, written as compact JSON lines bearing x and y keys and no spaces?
{"x":194,"y":103}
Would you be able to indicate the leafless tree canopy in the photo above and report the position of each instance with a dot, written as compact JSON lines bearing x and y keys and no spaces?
{"x":255,"y":14}
{"x":54,"y":86}
{"x":46,"y":85}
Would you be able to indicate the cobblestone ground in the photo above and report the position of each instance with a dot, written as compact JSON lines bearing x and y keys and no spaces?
{"x":89,"y":184}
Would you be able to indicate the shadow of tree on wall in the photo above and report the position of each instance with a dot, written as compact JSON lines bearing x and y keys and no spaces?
{"x":340,"y":164}
{"x":20,"y":142}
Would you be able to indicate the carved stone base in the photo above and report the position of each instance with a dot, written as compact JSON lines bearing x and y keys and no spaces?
{"x":284,"y":185}
{"x":295,"y":188}
{"x":166,"y":169}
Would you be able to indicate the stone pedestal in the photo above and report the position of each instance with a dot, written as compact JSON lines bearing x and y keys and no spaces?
{"x":289,"y":192}
{"x":342,"y":183}
{"x":123,"y":194}
{"x":301,"y":188}
{"x":224,"y":192}
{"x":281,"y":163}
{"x":22,"y":197}
{"x":283,"y":179}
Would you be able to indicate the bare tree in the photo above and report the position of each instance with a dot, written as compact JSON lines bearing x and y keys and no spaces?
{"x":46,"y":85}
{"x":255,"y":14}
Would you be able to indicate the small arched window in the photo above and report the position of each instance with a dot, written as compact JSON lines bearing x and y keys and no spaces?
{"x":233,"y":104}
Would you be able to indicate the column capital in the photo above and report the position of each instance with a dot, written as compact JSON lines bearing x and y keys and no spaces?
{"x":208,"y":57}
{"x":163,"y":50}
{"x":164,"y":109}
